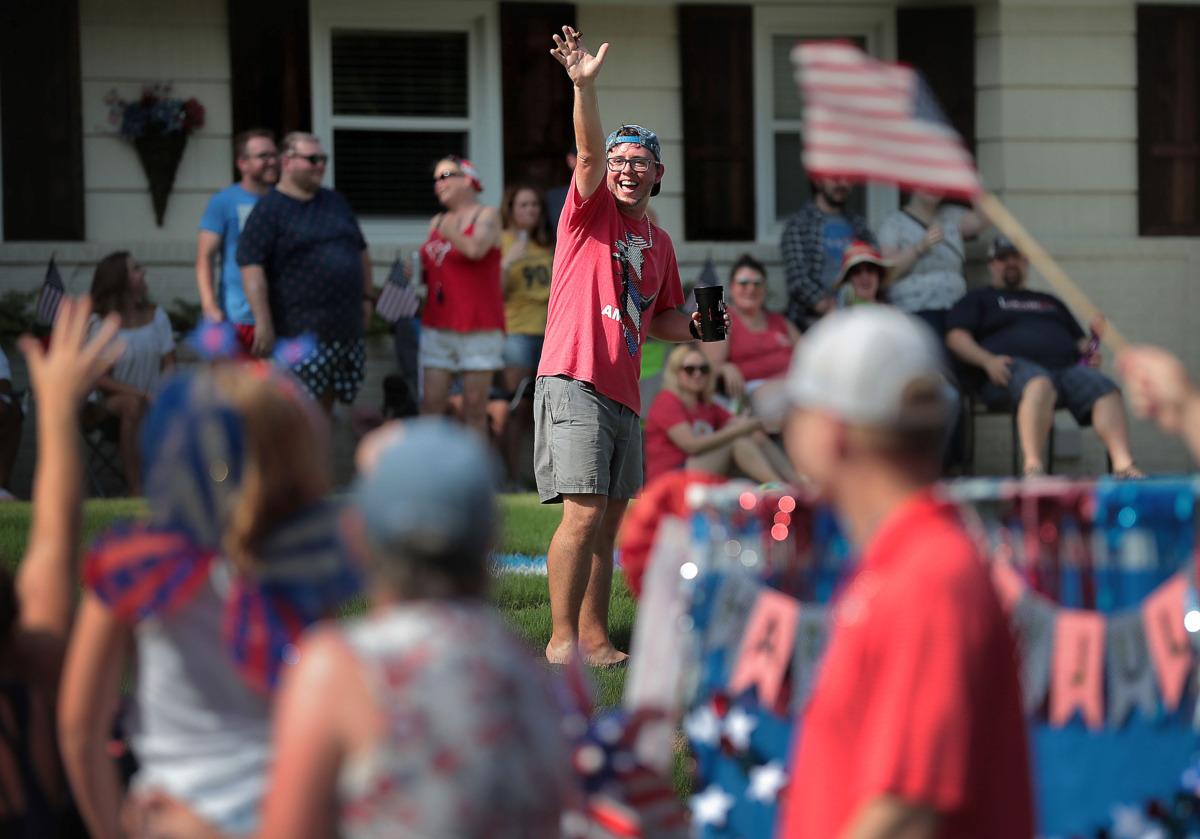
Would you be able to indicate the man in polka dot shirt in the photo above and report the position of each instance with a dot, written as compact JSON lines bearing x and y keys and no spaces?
{"x":306,"y":270}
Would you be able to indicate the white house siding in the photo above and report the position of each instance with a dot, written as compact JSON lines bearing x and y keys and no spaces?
{"x":640,"y":84}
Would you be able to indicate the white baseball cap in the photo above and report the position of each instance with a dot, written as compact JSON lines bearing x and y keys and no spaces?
{"x":859,"y":363}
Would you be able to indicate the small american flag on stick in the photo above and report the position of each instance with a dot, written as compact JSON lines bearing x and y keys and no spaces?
{"x":397,"y":299}
{"x":869,"y":120}
{"x":51,"y":294}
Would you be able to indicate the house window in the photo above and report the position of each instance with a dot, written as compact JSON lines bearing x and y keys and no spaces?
{"x":783,"y":184}
{"x":396,"y":87}
{"x":1168,"y":120}
{"x":792,"y":189}
{"x":400,"y":102}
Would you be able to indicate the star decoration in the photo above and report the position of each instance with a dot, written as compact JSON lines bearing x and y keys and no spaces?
{"x":703,"y":726}
{"x":766,"y":781}
{"x":711,"y":806}
{"x":1129,"y":823}
{"x":738,"y":726}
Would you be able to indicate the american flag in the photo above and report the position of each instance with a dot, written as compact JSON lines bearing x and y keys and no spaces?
{"x":51,"y":294}
{"x":867,"y":119}
{"x":397,"y":300}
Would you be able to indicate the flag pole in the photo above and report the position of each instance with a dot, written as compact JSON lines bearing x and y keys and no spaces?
{"x":1047,"y":267}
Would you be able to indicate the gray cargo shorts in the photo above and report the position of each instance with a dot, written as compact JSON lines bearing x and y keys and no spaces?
{"x":584,"y":443}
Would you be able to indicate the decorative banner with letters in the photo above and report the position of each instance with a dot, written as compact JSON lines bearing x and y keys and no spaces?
{"x":1098,"y":582}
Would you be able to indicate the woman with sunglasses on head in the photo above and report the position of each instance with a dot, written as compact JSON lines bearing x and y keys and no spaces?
{"x":685,"y":428}
{"x":462,"y":327}
{"x":753,"y":362}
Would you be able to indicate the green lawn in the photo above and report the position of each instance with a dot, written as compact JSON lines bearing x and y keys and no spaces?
{"x":526,"y":527}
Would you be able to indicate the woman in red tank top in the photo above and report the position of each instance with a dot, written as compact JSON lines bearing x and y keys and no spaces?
{"x":462,"y":327}
{"x":753,"y":362}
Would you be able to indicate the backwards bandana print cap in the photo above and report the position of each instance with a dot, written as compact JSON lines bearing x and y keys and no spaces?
{"x":194,"y":448}
{"x":641,"y":136}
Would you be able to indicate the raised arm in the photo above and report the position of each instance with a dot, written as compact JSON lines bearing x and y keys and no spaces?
{"x":61,"y":377}
{"x":582,"y":68}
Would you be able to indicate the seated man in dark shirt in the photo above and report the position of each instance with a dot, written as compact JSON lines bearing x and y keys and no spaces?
{"x":1031,"y":349}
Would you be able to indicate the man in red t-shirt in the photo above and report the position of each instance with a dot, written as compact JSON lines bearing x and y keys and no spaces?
{"x":915,"y":726}
{"x":615,"y":281}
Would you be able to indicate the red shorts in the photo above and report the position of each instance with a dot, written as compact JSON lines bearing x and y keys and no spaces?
{"x":245,"y":336}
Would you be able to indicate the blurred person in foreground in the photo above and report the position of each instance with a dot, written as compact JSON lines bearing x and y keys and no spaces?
{"x":915,"y":726}
{"x":1160,"y":389}
{"x":37,"y":605}
{"x":239,"y":553}
{"x":753,"y":361}
{"x":12,"y":419}
{"x":426,"y":716}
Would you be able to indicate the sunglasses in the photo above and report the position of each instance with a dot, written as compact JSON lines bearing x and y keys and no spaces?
{"x":693,"y":369}
{"x":444,"y":175}
{"x":266,"y":155}
{"x":313,"y":159}
{"x":745,"y":281}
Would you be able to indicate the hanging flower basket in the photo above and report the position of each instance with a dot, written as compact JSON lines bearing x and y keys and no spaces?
{"x":160,"y":155}
{"x":158,"y":125}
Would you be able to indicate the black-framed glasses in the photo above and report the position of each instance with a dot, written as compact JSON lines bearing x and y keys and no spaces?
{"x":693,"y":369}
{"x":745,"y":281}
{"x":262,"y":155}
{"x":637,"y":164}
{"x":447,"y":174}
{"x":313,"y":159}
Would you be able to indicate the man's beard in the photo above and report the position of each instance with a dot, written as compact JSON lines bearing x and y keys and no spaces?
{"x":833,"y":200}
{"x":1012,"y":279}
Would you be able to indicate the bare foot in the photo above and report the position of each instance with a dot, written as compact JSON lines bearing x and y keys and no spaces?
{"x":605,"y":657}
{"x":560,"y":652}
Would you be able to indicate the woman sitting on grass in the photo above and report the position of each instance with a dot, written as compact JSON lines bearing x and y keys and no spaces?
{"x":37,"y":607}
{"x":752,"y":363}
{"x":240,"y":553}
{"x":425,"y":717}
{"x":684,"y":427}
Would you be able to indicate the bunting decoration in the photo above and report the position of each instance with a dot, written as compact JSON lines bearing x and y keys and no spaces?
{"x":1098,"y":581}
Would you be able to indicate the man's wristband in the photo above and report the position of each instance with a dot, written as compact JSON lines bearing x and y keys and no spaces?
{"x":692,"y":328}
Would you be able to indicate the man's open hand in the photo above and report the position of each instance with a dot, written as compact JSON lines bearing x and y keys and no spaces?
{"x":582,"y":66}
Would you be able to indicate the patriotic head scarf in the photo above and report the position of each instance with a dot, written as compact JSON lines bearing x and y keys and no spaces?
{"x":468,"y":169}
{"x":194,"y":451}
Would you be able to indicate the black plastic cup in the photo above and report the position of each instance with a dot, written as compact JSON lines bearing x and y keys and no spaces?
{"x":710,"y":304}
